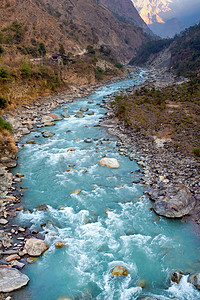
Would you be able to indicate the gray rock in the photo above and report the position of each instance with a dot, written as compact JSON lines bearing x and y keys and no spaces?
{"x":173,"y":201}
{"x":11,"y":280}
{"x":47,"y":133}
{"x":79,"y":116}
{"x":9,"y":252}
{"x":3,"y":221}
{"x":5,"y":239}
{"x":35,"y":247}
{"x":195,"y":280}
{"x":17,"y":264}
{"x":65,"y":115}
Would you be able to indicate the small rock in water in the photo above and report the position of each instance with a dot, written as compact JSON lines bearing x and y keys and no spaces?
{"x":60,"y":244}
{"x":31,"y":260}
{"x":19,"y":175}
{"x":76,"y":192}
{"x":109,"y":162}
{"x":84,"y":108}
{"x":11,"y":280}
{"x":42,"y":207}
{"x":88,"y":140}
{"x":65,"y":115}
{"x":31,"y":142}
{"x":176,"y":276}
{"x":47,"y":133}
{"x":118,"y":270}
{"x":78,"y":140}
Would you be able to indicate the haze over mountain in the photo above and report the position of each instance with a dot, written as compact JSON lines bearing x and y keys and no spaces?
{"x":168,"y":17}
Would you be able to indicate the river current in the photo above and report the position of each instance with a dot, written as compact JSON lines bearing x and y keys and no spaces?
{"x":108,"y":223}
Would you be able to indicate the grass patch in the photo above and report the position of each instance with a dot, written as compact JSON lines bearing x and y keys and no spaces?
{"x":5,"y":125}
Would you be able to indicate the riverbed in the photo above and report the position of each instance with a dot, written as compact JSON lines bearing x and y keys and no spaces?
{"x":102,"y":216}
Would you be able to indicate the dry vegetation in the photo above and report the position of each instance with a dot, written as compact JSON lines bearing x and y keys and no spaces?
{"x":173,"y":112}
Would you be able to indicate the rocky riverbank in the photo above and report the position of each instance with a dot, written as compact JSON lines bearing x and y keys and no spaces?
{"x":172,"y":178}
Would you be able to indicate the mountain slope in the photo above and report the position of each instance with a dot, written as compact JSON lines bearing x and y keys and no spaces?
{"x":125,"y":10}
{"x":75,"y":24}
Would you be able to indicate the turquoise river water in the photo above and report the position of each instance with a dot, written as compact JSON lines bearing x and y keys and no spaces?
{"x":109,"y":223}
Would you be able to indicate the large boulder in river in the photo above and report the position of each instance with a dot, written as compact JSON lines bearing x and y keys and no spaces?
{"x":11,"y":280}
{"x":173,"y":201}
{"x":195,"y":280}
{"x":35,"y":247}
{"x":109,"y":162}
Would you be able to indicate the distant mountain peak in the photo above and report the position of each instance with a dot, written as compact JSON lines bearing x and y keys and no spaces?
{"x":150,"y":9}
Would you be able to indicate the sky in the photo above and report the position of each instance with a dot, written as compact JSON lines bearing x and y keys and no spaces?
{"x":182,"y":8}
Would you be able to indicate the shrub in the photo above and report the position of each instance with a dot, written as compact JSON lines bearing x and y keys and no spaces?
{"x":26,"y":70}
{"x":3,"y":72}
{"x":196,"y":152}
{"x":118,"y":65}
{"x":62,"y":49}
{"x":90,"y":49}
{"x":42,"y":49}
{"x":5,"y":125}
{"x":1,"y":50}
{"x":3,"y":102}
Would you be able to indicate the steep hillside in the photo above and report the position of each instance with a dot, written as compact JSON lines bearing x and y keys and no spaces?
{"x":185,"y":51}
{"x":125,"y":10}
{"x":73,"y":24}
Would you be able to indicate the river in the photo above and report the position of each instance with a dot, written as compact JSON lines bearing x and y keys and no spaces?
{"x":108,"y":223}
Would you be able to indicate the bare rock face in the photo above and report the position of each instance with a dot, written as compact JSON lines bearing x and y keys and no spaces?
{"x":109,"y":162}
{"x":11,"y":280}
{"x":173,"y":201}
{"x":35,"y":247}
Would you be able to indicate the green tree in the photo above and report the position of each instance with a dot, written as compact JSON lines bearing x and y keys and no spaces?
{"x":42,"y":49}
{"x":62,"y":49}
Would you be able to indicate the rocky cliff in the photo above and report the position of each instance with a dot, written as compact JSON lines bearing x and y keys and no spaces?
{"x":125,"y":10}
